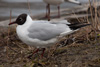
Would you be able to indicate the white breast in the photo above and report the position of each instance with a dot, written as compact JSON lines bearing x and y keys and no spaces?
{"x":22,"y":33}
{"x":53,"y":2}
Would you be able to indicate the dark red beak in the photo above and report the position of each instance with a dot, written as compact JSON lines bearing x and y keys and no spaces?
{"x":12,"y":23}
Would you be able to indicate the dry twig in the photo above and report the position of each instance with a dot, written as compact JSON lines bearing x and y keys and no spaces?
{"x":29,"y":7}
{"x":8,"y":34}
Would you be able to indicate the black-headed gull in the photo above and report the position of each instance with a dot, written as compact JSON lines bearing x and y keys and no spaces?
{"x":57,"y":3}
{"x":40,"y":33}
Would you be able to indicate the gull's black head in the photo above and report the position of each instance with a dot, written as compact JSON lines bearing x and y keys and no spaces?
{"x":21,"y":19}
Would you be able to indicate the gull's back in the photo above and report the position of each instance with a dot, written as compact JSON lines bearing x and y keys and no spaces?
{"x":53,"y":2}
{"x":46,"y":31}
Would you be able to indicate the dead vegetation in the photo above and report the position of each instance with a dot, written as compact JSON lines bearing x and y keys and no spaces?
{"x":82,"y":50}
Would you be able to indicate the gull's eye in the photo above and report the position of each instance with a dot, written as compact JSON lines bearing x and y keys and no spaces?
{"x":20,"y":19}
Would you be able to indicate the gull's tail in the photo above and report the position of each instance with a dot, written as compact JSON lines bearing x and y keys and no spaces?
{"x":77,"y":26}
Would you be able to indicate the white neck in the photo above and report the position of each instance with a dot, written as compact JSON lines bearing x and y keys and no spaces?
{"x":28,"y":21}
{"x":28,"y":18}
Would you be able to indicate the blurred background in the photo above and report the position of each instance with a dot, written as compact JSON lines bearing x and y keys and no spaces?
{"x":21,"y":6}
{"x":80,"y":49}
